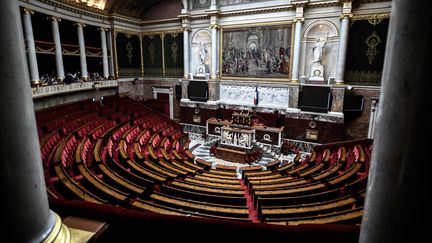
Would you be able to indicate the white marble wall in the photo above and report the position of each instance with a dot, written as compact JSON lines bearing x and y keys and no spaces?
{"x":274,"y":97}
{"x":237,"y":94}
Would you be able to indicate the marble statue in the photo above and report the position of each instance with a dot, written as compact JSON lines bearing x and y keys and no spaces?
{"x":202,"y":52}
{"x":227,"y":137}
{"x":318,"y":50}
{"x":243,"y":140}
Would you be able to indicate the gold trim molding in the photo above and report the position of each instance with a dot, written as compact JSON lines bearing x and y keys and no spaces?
{"x":214,"y":26}
{"x":371,"y":16}
{"x":28,"y":11}
{"x":60,"y":232}
{"x":250,"y":79}
{"x":256,"y":11}
{"x":287,"y":22}
{"x":342,"y":16}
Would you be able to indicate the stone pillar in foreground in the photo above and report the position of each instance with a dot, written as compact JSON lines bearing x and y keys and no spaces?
{"x":397,"y":206}
{"x":24,"y":201}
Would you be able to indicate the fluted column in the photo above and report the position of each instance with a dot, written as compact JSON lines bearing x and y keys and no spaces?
{"x":104,"y":53}
{"x":397,"y":198}
{"x":296,"y":54}
{"x":343,"y":46}
{"x":141,"y":54}
{"x":186,"y":52}
{"x":111,"y":57}
{"x":214,"y":51}
{"x":31,"y":49}
{"x":24,"y":201}
{"x":58,"y":49}
{"x":83,"y":61}
{"x":171,"y":103}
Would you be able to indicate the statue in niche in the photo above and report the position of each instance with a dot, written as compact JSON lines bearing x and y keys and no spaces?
{"x":202,"y":52}
{"x":318,"y":50}
{"x":317,"y":70}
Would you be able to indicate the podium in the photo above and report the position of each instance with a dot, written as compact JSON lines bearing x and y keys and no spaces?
{"x":231,"y":154}
{"x":241,"y":118}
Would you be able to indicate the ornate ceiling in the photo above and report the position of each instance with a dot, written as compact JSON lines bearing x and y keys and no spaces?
{"x":130,"y":8}
{"x":138,"y":8}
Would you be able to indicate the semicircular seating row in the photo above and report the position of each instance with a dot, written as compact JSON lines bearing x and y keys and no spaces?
{"x":125,"y":154}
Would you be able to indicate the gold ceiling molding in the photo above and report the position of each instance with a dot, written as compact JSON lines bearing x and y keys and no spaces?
{"x":97,"y":4}
{"x":323,"y":4}
{"x":80,"y":4}
{"x":128,"y":33}
{"x":160,"y":21}
{"x":263,"y":24}
{"x":166,"y":32}
{"x":373,"y":1}
{"x":256,"y":11}
{"x":153,"y":33}
{"x":371,"y":17}
{"x":78,"y":8}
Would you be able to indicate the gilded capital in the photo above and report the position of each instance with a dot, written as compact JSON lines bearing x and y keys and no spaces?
{"x":54,"y":18}
{"x":298,"y":19}
{"x":188,"y":29}
{"x":80,"y":25}
{"x":342,"y":16}
{"x":214,"y":26}
{"x":28,"y":11}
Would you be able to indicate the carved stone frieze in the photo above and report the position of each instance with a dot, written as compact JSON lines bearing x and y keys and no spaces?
{"x":273,"y":96}
{"x":237,"y":94}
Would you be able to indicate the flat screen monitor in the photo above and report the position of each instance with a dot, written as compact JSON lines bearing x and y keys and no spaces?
{"x":198,"y":91}
{"x":178,"y":91}
{"x":315,"y":99}
{"x":353,"y":103}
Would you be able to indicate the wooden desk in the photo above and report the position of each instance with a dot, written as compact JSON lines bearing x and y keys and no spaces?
{"x":238,"y":156}
{"x":263,"y":134}
{"x":84,"y":230}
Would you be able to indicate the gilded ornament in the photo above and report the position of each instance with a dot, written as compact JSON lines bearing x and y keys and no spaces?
{"x":174,"y":49}
{"x":151,"y":50}
{"x":129,"y":50}
{"x":372,"y":41}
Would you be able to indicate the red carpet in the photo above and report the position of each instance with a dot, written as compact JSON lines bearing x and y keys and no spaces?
{"x":253,"y":211}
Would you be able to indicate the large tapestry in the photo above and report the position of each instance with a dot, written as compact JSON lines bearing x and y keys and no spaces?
{"x":128,"y":55}
{"x":152,"y":50}
{"x":256,"y":52}
{"x":173,"y":54}
{"x":366,"y":49}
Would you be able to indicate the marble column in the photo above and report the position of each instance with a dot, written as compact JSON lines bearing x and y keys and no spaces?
{"x":24,"y":201}
{"x":171,"y":103}
{"x":184,"y":86}
{"x":111,"y":56}
{"x":141,"y":54}
{"x":83,"y":61}
{"x":337,"y":94}
{"x":296,"y":54}
{"x":214,"y":54}
{"x":343,"y":46}
{"x":58,"y":49}
{"x":293,"y":98}
{"x":104,"y":53}
{"x":31,"y":48}
{"x":186,"y":52}
{"x":397,"y":199}
{"x":213,"y":89}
